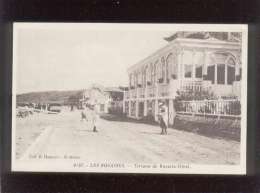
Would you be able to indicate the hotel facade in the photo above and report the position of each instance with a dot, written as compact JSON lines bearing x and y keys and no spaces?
{"x":190,"y":61}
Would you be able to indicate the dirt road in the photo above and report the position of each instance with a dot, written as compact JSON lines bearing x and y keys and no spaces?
{"x":127,"y":142}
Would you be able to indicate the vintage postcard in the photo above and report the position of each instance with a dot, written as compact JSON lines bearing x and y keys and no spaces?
{"x":129,"y":98}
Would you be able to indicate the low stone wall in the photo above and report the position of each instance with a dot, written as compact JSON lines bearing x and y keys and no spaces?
{"x":228,"y":128}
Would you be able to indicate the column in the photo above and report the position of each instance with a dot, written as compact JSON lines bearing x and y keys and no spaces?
{"x":193,"y":65}
{"x":145,"y":107}
{"x":129,"y":108}
{"x":137,"y":91}
{"x":226,"y":74}
{"x":130,"y":81}
{"x":237,"y":68}
{"x":172,"y":112}
{"x":156,"y":89}
{"x":156,"y":108}
{"x":124,"y":106}
{"x":204,"y":65}
{"x":165,"y":71}
{"x":178,"y":66}
{"x":180,"y":75}
{"x":216,"y":78}
{"x":136,"y":108}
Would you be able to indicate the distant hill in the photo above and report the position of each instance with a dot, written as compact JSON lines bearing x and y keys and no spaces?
{"x":61,"y":97}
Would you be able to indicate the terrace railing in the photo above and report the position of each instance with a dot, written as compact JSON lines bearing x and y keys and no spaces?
{"x":126,"y":95}
{"x":225,"y":108}
{"x":133,"y":93}
{"x":190,"y":85}
{"x":151,"y":91}
{"x":141,"y":92}
{"x":163,"y":90}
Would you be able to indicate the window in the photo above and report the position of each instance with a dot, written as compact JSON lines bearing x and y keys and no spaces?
{"x":174,"y":71}
{"x":147,"y":74}
{"x":211,"y":73}
{"x":154,"y":73}
{"x":224,"y":67}
{"x":133,"y":108}
{"x":136,"y":79}
{"x":188,"y":70}
{"x":198,"y":71}
{"x":130,"y":80}
{"x":151,"y":73}
{"x":172,"y":66}
{"x":163,"y":71}
{"x":167,"y":71}
{"x":221,"y":73}
{"x":230,"y":75}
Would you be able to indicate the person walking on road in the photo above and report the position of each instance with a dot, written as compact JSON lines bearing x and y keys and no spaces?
{"x":94,"y":117}
{"x":84,"y":114}
{"x":163,"y":119}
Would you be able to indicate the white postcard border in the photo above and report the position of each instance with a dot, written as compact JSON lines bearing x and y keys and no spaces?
{"x":64,"y":166}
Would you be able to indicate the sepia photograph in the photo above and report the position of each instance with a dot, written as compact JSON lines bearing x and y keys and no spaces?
{"x":129,"y":98}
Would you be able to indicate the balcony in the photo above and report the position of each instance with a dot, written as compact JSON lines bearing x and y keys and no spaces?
{"x":169,"y":90}
{"x":141,"y":92}
{"x":126,"y":95}
{"x":186,"y":85}
{"x":133,"y":93}
{"x":151,"y":91}
{"x":163,"y":90}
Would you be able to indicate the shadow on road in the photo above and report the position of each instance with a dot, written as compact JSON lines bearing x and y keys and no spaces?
{"x":84,"y":130}
{"x":122,"y":118}
{"x":151,"y":133}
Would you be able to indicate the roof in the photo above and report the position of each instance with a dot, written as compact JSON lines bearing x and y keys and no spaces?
{"x":202,"y":38}
{"x":222,"y":36}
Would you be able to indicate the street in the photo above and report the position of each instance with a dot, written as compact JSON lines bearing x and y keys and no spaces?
{"x":118,"y":141}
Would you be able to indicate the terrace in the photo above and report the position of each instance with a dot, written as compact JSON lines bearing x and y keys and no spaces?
{"x":168,"y":90}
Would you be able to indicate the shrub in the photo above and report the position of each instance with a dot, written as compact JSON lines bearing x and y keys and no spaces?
{"x":190,"y":95}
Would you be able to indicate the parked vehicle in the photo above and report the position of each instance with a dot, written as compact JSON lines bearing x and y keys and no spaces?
{"x":54,"y":108}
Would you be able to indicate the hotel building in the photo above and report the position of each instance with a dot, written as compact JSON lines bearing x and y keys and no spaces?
{"x":190,"y":61}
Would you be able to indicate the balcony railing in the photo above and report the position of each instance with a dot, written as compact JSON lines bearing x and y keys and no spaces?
{"x":133,"y":93}
{"x":126,"y":94}
{"x":141,"y":92}
{"x":163,"y":90}
{"x":151,"y":91}
{"x":190,"y":85}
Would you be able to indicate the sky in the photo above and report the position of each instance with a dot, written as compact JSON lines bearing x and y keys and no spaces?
{"x":75,"y":57}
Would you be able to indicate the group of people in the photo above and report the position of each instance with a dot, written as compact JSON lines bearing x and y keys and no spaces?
{"x":90,"y":114}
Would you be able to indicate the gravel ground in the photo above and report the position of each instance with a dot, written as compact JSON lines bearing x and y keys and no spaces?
{"x":121,"y":141}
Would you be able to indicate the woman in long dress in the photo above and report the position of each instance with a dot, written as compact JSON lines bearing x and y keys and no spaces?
{"x":95,"y":118}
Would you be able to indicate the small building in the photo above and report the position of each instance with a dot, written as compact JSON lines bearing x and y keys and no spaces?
{"x":116,"y":96}
{"x":108,"y":99}
{"x":190,"y":61}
